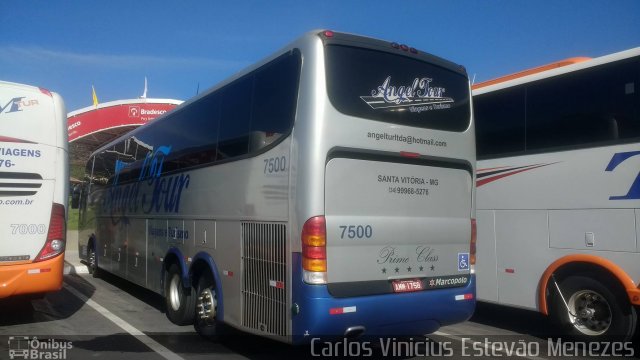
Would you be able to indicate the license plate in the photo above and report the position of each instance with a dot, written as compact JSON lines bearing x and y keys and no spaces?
{"x":407,"y":285}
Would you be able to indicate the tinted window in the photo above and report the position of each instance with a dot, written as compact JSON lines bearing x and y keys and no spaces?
{"x":235,"y":119}
{"x":247,"y":115}
{"x":103,"y":168}
{"x":275,"y":95}
{"x":184,"y":138}
{"x":395,"y":88}
{"x":500,"y":120}
{"x":591,"y":106}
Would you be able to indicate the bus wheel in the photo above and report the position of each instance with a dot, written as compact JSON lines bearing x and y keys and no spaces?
{"x":207,"y":308}
{"x":592,"y":311}
{"x":179,"y":300}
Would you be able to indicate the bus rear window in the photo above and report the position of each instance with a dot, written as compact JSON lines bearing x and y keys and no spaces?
{"x":396,"y":89}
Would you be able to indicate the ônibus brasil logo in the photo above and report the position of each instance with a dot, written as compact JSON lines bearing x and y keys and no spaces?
{"x":23,"y":347}
{"x":417,"y":96}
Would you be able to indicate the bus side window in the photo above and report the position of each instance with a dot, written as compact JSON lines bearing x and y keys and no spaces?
{"x":233,"y":138}
{"x":274,"y":107}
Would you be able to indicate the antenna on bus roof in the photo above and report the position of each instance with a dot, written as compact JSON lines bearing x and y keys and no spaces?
{"x":144,"y":94}
{"x":473,"y":81}
{"x":198,"y":89}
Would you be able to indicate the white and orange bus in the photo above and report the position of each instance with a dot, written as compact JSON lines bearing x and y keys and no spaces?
{"x":34,"y":177}
{"x":558,"y":193}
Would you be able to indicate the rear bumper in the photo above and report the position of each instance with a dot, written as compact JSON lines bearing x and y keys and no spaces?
{"x":389,"y":315}
{"x":32,"y":278}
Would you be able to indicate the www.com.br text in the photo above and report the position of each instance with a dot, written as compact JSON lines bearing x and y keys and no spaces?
{"x":16,"y":202}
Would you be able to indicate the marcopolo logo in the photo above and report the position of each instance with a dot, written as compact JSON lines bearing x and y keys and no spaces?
{"x":447,"y":281}
{"x":23,"y":347}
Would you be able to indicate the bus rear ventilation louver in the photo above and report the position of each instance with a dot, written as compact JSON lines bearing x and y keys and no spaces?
{"x":264,"y":287}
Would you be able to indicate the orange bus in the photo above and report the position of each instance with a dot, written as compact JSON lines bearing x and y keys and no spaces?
{"x":34,"y":177}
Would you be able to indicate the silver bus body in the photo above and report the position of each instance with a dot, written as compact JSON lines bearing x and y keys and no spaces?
{"x":395,"y":201}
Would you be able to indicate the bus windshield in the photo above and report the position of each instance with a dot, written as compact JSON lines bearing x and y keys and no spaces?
{"x":396,"y":89}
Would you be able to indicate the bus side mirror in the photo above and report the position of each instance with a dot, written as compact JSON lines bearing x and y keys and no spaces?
{"x":75,"y":197}
{"x":75,"y":201}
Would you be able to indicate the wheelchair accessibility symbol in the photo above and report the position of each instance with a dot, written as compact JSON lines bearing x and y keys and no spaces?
{"x":463,"y":261}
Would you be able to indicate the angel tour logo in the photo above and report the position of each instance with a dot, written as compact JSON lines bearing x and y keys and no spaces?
{"x":420,"y":95}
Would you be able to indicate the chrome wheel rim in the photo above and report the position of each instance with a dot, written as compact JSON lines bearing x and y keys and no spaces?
{"x":207,"y":306}
{"x":174,"y":292}
{"x":589,"y":312}
{"x":92,"y":260}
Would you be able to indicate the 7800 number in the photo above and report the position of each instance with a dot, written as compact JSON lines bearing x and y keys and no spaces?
{"x":356,"y":231}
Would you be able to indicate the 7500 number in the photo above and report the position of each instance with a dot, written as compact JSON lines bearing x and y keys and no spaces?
{"x":275,"y":165}
{"x":356,"y":231}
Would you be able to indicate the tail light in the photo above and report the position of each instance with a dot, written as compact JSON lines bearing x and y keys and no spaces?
{"x":56,"y":236}
{"x":474,"y":239}
{"x":314,"y":251}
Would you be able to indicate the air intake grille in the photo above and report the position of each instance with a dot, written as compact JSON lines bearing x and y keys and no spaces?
{"x":264,"y":288}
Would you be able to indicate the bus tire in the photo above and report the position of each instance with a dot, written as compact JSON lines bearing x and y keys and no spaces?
{"x":599,"y":314}
{"x":179,"y":300}
{"x":206,"y":323}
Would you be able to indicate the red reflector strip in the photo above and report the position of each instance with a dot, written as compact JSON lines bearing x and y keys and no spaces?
{"x":227,"y":273}
{"x":276,"y":284}
{"x":464,"y":297}
{"x":38,"y":271}
{"x":342,"y":310}
{"x":510,"y":271}
{"x":408,"y":154}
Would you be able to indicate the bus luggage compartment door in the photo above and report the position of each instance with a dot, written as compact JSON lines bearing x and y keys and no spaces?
{"x":396,"y":227}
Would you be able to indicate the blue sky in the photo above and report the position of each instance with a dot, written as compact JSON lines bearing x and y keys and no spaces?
{"x":68,"y":46}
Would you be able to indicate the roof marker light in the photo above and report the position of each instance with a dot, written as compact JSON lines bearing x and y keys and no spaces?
{"x":395,"y":45}
{"x":328,"y":33}
{"x":404,"y":47}
{"x":46,"y":92}
{"x":413,"y":50}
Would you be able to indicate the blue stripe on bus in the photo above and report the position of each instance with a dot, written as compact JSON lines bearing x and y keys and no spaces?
{"x":183,"y":266}
{"x":407,"y":314}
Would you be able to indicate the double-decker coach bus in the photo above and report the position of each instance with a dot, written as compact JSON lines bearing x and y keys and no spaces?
{"x":325,"y":191}
{"x":34,"y":189}
{"x":559,"y":193}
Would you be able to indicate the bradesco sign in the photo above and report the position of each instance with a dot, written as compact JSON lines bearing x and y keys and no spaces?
{"x":115,"y":114}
